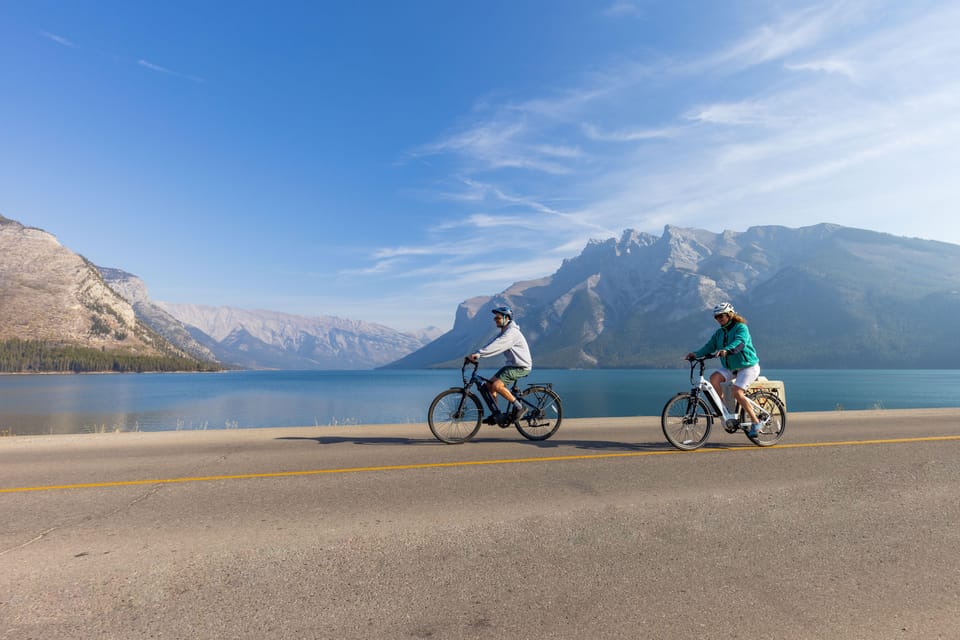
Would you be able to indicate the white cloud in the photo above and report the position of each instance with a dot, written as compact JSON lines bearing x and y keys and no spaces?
{"x":826,"y":65}
{"x":740,"y":113}
{"x":793,"y":33}
{"x":631,"y":135}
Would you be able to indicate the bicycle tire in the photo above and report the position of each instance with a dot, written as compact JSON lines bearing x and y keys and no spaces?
{"x":543,"y":420}
{"x":454,"y":416}
{"x":681,"y":430}
{"x":774,"y":421}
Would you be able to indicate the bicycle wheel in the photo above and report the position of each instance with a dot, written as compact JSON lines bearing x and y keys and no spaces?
{"x":543,"y":419}
{"x":454,"y":416}
{"x":772,"y":416}
{"x":686,"y":425}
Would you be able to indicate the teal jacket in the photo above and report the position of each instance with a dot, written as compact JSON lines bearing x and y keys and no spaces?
{"x":734,"y":338}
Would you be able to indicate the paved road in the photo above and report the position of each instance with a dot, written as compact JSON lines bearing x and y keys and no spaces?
{"x":847,"y":530}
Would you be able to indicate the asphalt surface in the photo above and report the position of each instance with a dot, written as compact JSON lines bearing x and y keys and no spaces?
{"x":848,"y":529}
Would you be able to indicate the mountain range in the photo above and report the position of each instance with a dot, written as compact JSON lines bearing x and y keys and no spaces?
{"x":823,"y":296}
{"x":53,"y":297}
{"x":273,"y":340}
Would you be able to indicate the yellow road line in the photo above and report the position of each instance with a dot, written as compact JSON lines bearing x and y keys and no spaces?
{"x":469,"y":463}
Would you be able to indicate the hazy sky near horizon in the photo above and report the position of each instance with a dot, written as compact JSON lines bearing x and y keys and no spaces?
{"x":386,"y":160}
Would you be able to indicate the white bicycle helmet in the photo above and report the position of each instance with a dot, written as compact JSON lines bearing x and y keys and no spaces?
{"x":723,"y":307}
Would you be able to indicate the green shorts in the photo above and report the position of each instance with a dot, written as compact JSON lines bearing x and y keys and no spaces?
{"x":509,"y":375}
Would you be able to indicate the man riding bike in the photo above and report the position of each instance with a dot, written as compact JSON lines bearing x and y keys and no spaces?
{"x":519,"y":362}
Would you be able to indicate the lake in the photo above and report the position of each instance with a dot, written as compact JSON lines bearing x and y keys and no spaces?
{"x":69,"y":403}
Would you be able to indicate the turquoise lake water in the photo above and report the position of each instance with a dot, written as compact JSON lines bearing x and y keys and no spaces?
{"x":44,"y":404}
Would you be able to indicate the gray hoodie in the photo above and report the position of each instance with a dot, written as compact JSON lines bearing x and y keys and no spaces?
{"x":512,"y":344}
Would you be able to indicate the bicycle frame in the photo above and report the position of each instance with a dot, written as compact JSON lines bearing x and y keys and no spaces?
{"x":704,"y":386}
{"x":731,"y":419}
{"x":481,"y":383}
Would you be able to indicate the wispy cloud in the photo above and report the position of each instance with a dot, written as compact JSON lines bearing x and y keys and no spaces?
{"x":66,"y":42}
{"x":794,"y":32}
{"x":826,"y":65}
{"x":155,"y":67}
{"x":624,"y":8}
{"x":58,"y":39}
{"x":631,"y":135}
{"x":734,"y":113}
{"x":503,"y":144}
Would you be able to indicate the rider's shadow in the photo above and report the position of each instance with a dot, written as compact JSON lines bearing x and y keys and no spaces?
{"x":553,"y":443}
{"x":613,"y":446}
{"x":591,"y":445}
{"x":360,"y":440}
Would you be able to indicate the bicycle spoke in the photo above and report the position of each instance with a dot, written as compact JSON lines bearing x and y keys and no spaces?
{"x":454,"y":416}
{"x":772,"y":416}
{"x":686,"y":421}
{"x":544,"y":413}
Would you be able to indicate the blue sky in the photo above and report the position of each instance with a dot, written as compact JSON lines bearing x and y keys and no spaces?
{"x":385,"y":160}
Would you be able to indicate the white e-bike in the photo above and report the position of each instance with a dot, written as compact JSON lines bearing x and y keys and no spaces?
{"x":688,"y":416}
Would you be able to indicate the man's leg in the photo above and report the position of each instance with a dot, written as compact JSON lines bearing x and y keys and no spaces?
{"x":496,"y":386}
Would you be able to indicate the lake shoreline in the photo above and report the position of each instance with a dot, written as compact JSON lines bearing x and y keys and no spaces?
{"x":394,"y":429}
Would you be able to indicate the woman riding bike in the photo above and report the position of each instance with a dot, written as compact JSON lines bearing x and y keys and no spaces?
{"x":732,"y":344}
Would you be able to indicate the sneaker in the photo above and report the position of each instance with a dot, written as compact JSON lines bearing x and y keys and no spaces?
{"x":754,"y":430}
{"x":519,"y":413}
{"x":493,"y":418}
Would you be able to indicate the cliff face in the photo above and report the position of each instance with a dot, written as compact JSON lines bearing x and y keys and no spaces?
{"x":134,"y":290}
{"x":49,"y":293}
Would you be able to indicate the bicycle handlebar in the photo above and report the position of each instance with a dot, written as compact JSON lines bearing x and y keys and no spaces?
{"x":463,"y":370}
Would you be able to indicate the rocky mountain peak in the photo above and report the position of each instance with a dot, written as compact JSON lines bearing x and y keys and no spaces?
{"x":53,"y":295}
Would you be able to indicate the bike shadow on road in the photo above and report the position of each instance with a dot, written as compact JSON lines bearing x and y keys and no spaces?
{"x":361,"y":440}
{"x":558,"y":443}
{"x":605,"y":445}
{"x":589,"y":445}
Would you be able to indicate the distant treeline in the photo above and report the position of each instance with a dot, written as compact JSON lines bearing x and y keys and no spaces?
{"x":34,"y":356}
